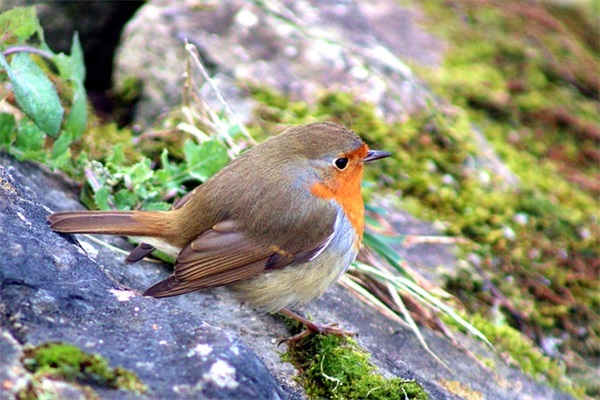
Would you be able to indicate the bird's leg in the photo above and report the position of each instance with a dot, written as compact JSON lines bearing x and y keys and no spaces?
{"x":312,"y":327}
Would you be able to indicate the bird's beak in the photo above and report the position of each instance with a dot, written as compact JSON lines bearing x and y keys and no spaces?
{"x":375,"y":155}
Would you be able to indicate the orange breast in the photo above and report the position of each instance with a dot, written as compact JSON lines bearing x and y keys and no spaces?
{"x":344,"y":188}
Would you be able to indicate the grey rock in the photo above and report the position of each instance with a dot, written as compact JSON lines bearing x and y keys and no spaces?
{"x":297,"y":48}
{"x":12,"y":373}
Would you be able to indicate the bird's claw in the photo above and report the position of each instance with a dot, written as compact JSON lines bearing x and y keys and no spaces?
{"x":311,"y":328}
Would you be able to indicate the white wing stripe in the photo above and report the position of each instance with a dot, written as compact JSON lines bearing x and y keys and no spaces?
{"x":336,"y":227}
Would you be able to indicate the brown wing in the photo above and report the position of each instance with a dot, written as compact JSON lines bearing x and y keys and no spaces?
{"x":221,"y":256}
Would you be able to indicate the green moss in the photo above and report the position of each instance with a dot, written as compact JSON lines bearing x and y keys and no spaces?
{"x":520,"y":65}
{"x":526,"y":74}
{"x":101,"y":139}
{"x":67,"y":362}
{"x":334,"y":368}
{"x":523,"y":352}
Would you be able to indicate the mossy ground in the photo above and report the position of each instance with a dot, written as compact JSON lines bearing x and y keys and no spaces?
{"x":61,"y":361}
{"x":334,"y":368}
{"x":527,"y":74}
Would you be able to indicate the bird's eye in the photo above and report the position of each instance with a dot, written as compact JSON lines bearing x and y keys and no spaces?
{"x":340,"y":163}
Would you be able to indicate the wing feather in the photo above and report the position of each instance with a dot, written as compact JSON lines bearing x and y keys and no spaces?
{"x":223,"y":255}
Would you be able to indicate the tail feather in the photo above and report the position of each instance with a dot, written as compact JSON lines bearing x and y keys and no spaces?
{"x":126,"y":223}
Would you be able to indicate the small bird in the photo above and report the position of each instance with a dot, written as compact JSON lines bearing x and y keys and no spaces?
{"x":278,"y":225}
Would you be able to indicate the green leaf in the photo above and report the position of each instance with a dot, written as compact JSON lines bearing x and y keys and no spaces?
{"x":117,"y":156}
{"x":170,"y":175}
{"x":78,"y":116}
{"x":7,"y":130}
{"x":140,"y":171}
{"x":72,"y":69}
{"x":64,"y":65}
{"x":29,"y":137}
{"x":34,"y":92}
{"x":78,"y":62}
{"x":101,"y":197}
{"x":20,"y":22}
{"x":157,"y":206}
{"x":376,"y":243}
{"x":62,"y":162}
{"x":29,"y":143}
{"x":61,"y":145}
{"x":204,"y":159}
{"x":234,"y":130}
{"x":125,"y":199}
{"x":76,"y":121}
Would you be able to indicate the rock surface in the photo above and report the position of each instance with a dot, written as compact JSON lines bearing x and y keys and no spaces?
{"x":60,"y":288}
{"x":297,"y":48}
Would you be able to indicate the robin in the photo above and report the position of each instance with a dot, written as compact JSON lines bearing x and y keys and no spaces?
{"x":278,"y":225}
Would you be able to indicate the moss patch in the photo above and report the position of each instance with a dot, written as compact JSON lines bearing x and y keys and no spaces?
{"x":69,"y":363}
{"x":334,"y":368}
{"x":517,"y":349}
{"x":526,"y":73}
{"x":522,"y":67}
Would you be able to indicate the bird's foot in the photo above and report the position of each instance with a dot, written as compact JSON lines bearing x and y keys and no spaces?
{"x":312,"y":328}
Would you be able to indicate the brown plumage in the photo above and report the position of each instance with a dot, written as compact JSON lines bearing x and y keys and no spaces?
{"x":279,"y":224}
